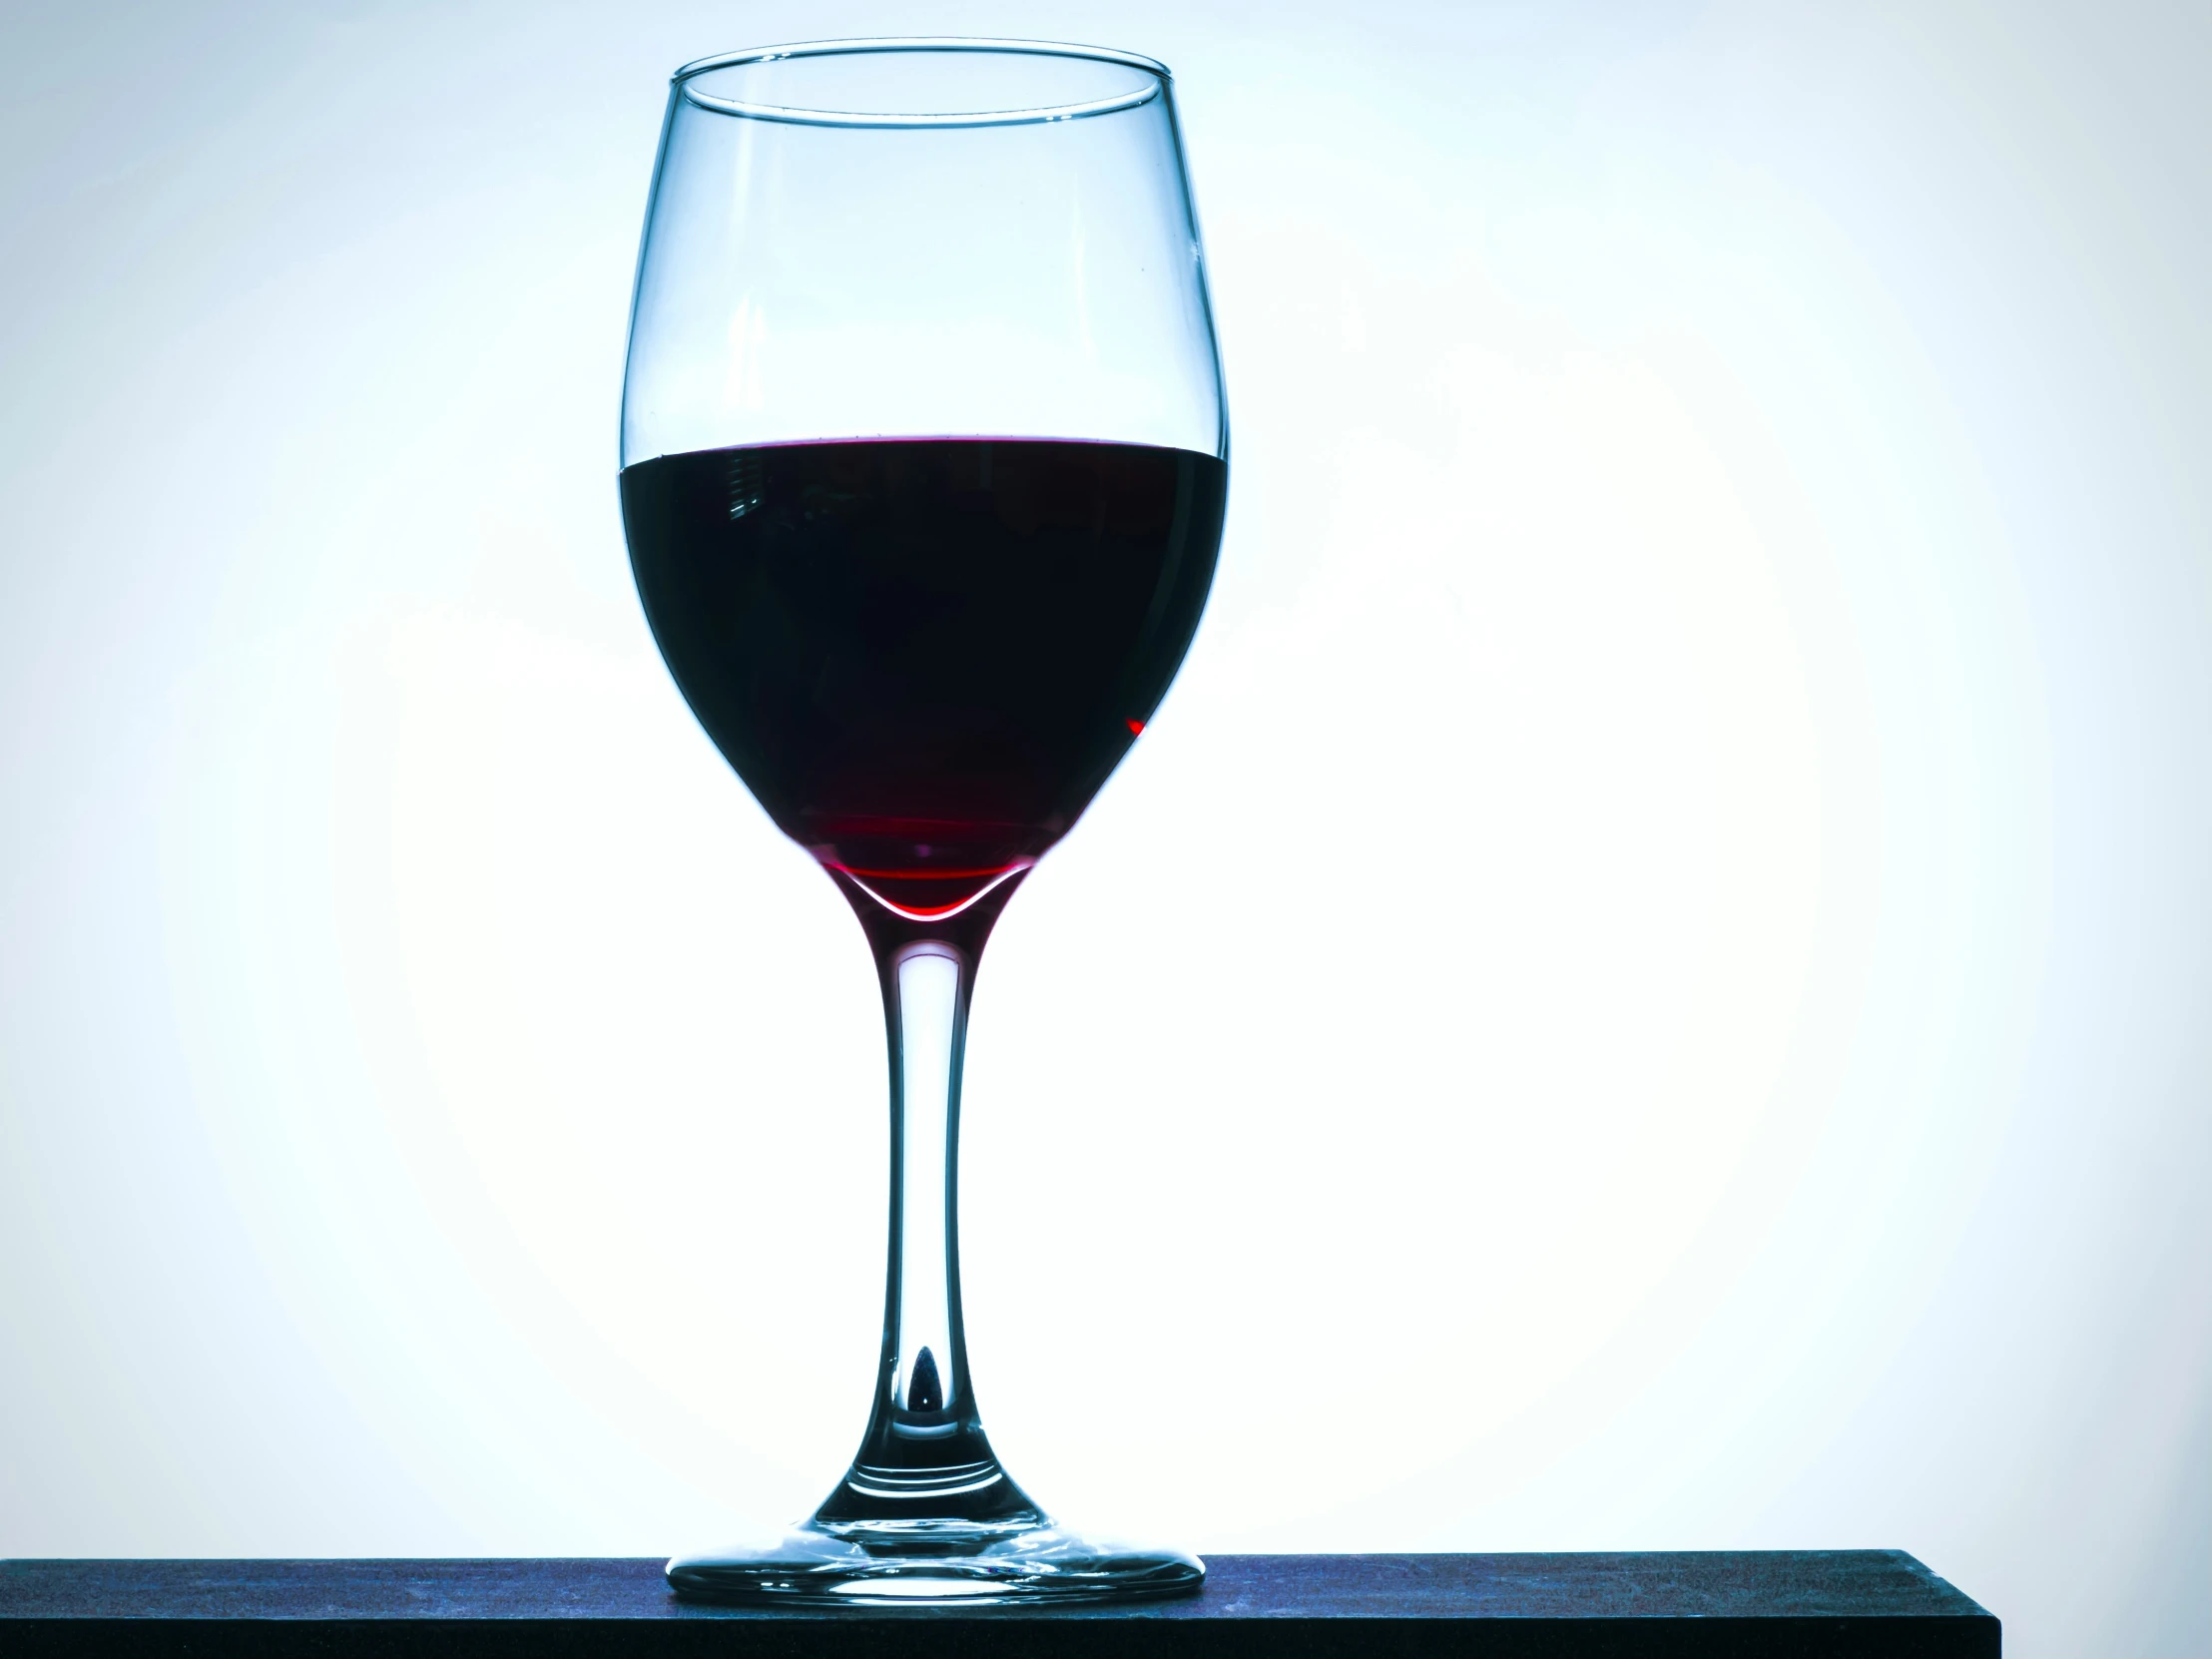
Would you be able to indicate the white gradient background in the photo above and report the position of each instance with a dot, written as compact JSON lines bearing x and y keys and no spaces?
{"x":1650,"y":986}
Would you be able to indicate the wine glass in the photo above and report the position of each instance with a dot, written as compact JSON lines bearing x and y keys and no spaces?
{"x":925,"y":457}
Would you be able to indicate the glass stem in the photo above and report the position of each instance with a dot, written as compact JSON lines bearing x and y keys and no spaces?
{"x":926,"y":1460}
{"x":925,"y":1362}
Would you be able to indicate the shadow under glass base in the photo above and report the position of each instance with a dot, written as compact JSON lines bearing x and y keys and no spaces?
{"x":934,"y":1562}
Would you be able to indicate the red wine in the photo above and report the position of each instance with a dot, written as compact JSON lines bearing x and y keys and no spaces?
{"x":924,"y":656}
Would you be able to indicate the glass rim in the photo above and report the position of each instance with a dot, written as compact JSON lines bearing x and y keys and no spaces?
{"x":1159,"y":79}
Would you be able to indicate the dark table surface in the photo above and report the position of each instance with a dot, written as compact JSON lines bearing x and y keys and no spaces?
{"x":1718,"y":1602}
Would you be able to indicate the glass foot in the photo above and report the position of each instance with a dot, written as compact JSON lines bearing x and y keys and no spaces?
{"x":932,"y":1563}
